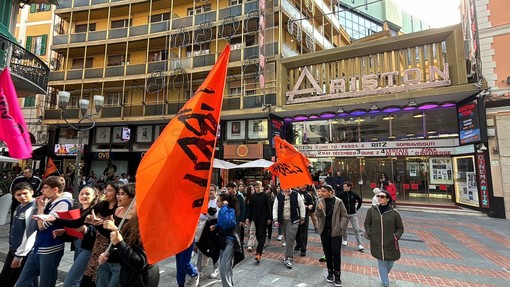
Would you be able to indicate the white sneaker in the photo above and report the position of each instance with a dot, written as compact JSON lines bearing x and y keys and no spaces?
{"x":250,"y":249}
{"x":279,"y":238}
{"x":215,"y":274}
{"x":344,"y":242}
{"x":284,"y":244}
{"x":195,"y":280}
{"x":361,"y":248}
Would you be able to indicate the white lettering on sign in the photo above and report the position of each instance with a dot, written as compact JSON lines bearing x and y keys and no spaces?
{"x":398,"y":152}
{"x":413,"y":79}
{"x":383,"y":144}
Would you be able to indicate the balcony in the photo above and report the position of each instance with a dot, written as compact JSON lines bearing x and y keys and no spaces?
{"x":29,"y":73}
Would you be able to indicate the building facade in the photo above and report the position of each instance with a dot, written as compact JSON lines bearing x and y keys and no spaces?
{"x":28,"y":68}
{"x":494,"y":29}
{"x":390,"y":105}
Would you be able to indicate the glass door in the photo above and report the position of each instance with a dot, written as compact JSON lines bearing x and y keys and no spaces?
{"x":466,"y":191}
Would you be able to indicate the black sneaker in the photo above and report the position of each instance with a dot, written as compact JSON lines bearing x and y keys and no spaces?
{"x":330,"y":278}
{"x":338,"y":281}
{"x":296,"y":248}
{"x":303,"y":253}
{"x":322,"y":259}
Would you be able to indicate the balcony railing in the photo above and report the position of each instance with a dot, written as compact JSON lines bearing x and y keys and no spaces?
{"x":24,"y":64}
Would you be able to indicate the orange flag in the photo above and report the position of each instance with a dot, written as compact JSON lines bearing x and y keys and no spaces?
{"x":292,"y":171}
{"x":174,"y":175}
{"x":285,"y":149}
{"x":50,"y":168}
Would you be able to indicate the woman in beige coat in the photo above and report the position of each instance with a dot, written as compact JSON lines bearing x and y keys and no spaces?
{"x":332,"y":220}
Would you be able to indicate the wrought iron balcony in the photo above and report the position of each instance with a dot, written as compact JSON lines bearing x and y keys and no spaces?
{"x":30,"y":74}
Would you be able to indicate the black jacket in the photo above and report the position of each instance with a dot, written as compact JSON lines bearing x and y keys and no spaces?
{"x":135,"y":271}
{"x":259,"y":207}
{"x":351,"y":200}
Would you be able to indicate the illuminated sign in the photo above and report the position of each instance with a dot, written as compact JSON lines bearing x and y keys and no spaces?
{"x":469,"y":125}
{"x":67,"y":149}
{"x":367,"y":85}
{"x":482,"y":179}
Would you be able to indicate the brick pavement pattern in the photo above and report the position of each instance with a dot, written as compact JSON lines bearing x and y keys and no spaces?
{"x":439,"y":248}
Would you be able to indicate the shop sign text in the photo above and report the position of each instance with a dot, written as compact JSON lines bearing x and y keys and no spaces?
{"x":482,"y":179}
{"x":367,"y":85}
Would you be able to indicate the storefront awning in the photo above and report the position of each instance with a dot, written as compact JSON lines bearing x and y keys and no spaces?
{"x":34,"y":147}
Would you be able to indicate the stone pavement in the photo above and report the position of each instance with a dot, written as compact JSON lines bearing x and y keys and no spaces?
{"x":439,"y":248}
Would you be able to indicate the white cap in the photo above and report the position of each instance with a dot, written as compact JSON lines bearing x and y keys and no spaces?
{"x":376,"y":190}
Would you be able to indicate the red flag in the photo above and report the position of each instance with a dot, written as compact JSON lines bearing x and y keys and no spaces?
{"x":13,"y":129}
{"x":292,"y":171}
{"x":174,"y":175}
{"x":285,"y":149}
{"x":50,"y":168}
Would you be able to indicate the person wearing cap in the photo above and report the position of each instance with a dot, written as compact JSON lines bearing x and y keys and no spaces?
{"x":333,"y":219}
{"x":384,"y":227}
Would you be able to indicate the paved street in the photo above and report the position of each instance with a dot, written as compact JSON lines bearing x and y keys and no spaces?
{"x":440,"y":248}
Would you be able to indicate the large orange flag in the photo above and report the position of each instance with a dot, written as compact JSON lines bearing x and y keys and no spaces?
{"x":292,"y":171}
{"x":50,"y":168}
{"x":173,"y":176}
{"x":285,"y":149}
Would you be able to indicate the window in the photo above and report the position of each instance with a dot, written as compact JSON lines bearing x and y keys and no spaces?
{"x":39,"y":8}
{"x":235,"y":2}
{"x":159,"y":17}
{"x":73,"y":101}
{"x":199,"y":9}
{"x":78,"y":63}
{"x":37,"y":44}
{"x":156,"y":56}
{"x":121,"y":23}
{"x":197,"y":50}
{"x":82,"y":28}
{"x":113,"y":99}
{"x":237,"y":43}
{"x":29,"y":102}
{"x":118,"y":60}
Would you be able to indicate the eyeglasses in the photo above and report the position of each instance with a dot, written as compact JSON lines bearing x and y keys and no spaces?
{"x":381,"y":196}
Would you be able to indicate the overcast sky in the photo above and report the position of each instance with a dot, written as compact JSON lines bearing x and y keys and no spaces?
{"x":437,"y":13}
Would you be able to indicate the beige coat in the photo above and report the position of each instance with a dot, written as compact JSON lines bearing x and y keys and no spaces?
{"x":339,"y":218}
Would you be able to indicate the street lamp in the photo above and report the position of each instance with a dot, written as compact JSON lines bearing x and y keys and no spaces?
{"x":83,"y":104}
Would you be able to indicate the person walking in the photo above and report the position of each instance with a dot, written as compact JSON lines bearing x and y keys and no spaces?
{"x":226,"y":226}
{"x":127,"y":246}
{"x":302,"y":233}
{"x":21,"y":236}
{"x":205,"y":238}
{"x":333,"y":219}
{"x":28,"y":177}
{"x":240,"y":208}
{"x":352,"y":202}
{"x":48,"y":250}
{"x":289,"y":212}
{"x":384,"y":228}
{"x":260,"y":215}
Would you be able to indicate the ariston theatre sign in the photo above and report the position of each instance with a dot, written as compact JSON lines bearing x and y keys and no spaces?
{"x":366,"y":85}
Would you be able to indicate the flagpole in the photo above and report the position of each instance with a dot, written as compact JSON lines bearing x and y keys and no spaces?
{"x":122,"y":222}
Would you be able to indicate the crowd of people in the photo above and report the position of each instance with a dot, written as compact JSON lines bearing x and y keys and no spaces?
{"x":239,"y":218}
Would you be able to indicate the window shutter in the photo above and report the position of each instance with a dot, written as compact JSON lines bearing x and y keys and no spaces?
{"x":33,"y":8}
{"x":43,"y":44}
{"x":29,"y":43}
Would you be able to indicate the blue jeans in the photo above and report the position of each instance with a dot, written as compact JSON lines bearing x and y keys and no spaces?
{"x":108,"y":275}
{"x":384,"y":270}
{"x":81,"y":258}
{"x":226,"y":257}
{"x":45,"y":266}
{"x":184,"y":265}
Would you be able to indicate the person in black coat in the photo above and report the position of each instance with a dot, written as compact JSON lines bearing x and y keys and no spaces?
{"x":135,"y":270}
{"x":259,"y":213}
{"x":302,"y":233}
